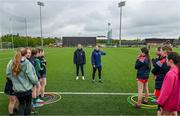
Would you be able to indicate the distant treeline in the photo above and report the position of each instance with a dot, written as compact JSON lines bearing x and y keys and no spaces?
{"x":113,"y":41}
{"x":22,"y":41}
{"x":131,"y":42}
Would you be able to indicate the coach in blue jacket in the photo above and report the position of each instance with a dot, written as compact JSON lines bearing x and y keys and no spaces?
{"x":79,"y":60}
{"x":96,"y":62}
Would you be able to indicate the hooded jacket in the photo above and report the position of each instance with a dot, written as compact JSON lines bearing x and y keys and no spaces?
{"x":142,"y":67}
{"x":79,"y":57}
{"x":96,"y":57}
{"x":26,"y":78}
{"x":160,"y":69}
{"x":169,"y":97}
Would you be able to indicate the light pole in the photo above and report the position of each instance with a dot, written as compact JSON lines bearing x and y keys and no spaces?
{"x":1,"y":42}
{"x":1,"y":27}
{"x":108,"y":33}
{"x":40,"y":5}
{"x":1,"y":36}
{"x":26,"y":31}
{"x":120,"y":5}
{"x":11,"y":29}
{"x":27,"y":42}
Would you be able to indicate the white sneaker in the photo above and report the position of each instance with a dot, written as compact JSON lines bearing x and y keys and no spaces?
{"x":39,"y":100}
{"x":37,"y":105}
{"x":82,"y":77}
{"x":77,"y":78}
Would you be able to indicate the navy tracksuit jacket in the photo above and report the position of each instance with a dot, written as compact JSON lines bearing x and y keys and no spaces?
{"x":79,"y":59}
{"x":160,"y":69}
{"x":96,"y":60}
{"x":96,"y":57}
{"x":142,"y":68}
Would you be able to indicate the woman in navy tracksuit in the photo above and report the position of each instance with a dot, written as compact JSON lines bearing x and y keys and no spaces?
{"x":96,"y":62}
{"x":143,"y":66}
{"x":79,"y":60}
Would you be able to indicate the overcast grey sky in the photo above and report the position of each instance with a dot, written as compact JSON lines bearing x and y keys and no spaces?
{"x":141,"y":18}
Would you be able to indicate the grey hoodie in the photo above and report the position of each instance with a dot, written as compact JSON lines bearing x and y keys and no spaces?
{"x":25,"y":80}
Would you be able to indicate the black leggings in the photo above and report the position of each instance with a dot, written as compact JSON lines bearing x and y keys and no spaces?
{"x":94,"y":72}
{"x":24,"y":99}
{"x":77,"y":69}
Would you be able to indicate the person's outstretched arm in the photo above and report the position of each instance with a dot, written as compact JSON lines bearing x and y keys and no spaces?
{"x":103,"y":53}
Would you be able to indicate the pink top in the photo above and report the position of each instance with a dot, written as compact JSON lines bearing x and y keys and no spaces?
{"x":169,"y":97}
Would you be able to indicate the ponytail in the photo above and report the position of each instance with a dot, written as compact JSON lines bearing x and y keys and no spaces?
{"x":16,"y":63}
{"x":167,"y":48}
{"x":149,"y":61}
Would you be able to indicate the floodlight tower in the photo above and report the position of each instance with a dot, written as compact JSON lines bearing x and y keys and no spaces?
{"x":25,"y":22}
{"x":1,"y":36}
{"x":11,"y":31}
{"x":109,"y":33}
{"x":120,"y":5}
{"x":41,"y":4}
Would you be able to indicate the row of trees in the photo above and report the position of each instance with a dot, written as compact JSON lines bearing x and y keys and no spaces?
{"x":113,"y":41}
{"x":22,"y":41}
{"x":131,"y":42}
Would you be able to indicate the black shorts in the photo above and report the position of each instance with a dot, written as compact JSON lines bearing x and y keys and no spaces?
{"x":43,"y":74}
{"x":23,"y":94}
{"x":9,"y":88}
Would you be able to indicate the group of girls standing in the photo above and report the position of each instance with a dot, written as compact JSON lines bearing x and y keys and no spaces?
{"x":26,"y":80}
{"x":166,"y":71}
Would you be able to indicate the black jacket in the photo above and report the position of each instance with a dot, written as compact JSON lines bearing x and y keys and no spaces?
{"x":79,"y":57}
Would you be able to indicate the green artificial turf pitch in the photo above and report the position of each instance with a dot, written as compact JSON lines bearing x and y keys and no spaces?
{"x":118,"y":75}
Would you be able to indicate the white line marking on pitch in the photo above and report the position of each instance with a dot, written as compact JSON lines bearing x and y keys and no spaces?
{"x":90,"y":93}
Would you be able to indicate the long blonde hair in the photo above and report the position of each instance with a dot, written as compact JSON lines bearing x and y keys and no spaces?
{"x":17,"y":61}
{"x":167,"y":48}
